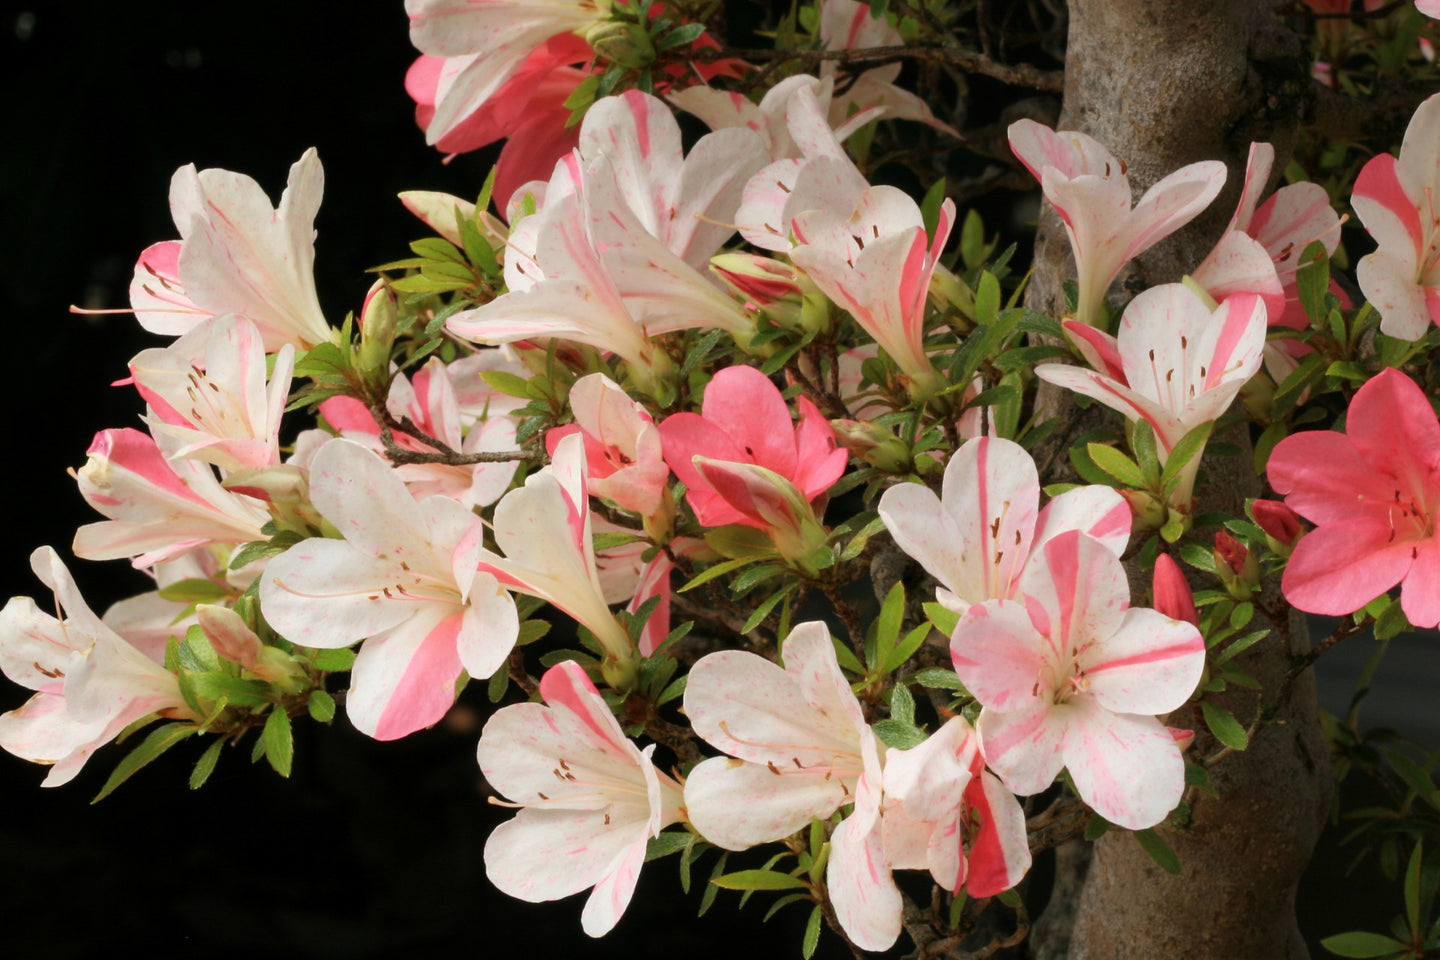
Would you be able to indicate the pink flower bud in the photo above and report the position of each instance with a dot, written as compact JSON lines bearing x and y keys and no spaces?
{"x":1235,"y":566}
{"x":1280,"y":523}
{"x":1172,"y":592}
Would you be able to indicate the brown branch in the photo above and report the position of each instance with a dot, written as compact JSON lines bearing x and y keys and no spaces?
{"x":1017,"y":74}
{"x":444,"y":454}
{"x":1337,"y":117}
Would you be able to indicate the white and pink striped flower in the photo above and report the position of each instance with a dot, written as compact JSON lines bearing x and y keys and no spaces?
{"x":978,"y":537}
{"x":1070,"y":676}
{"x":589,"y":799}
{"x":404,"y":580}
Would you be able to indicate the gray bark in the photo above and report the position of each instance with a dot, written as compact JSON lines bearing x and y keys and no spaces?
{"x":1164,"y":83}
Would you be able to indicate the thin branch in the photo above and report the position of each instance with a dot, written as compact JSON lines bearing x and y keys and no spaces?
{"x":1338,"y":117}
{"x":1018,"y":74}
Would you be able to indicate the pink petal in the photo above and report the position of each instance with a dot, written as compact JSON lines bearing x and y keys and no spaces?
{"x":1127,"y":768}
{"x":1150,"y":665}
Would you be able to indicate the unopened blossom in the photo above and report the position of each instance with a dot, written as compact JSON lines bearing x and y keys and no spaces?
{"x":1281,"y":525}
{"x":236,"y":254}
{"x":622,"y":445}
{"x":1373,"y":493}
{"x":589,"y":799}
{"x":1173,"y":596}
{"x":158,"y":508}
{"x":978,"y":537}
{"x":1071,"y":676}
{"x":947,"y":814}
{"x":1174,"y":363}
{"x":803,"y":751}
{"x":225,"y":413}
{"x":1395,"y":200}
{"x":404,"y":580}
{"x":1088,"y":188}
{"x":89,"y":681}
{"x":744,"y":419}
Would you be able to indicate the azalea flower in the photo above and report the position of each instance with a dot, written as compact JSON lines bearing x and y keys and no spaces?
{"x":430,"y":402}
{"x":744,"y":419}
{"x":1072,"y":676}
{"x":850,"y":25}
{"x":806,"y":751}
{"x":1260,"y":250}
{"x":978,"y":537}
{"x":589,"y":799}
{"x":543,"y":529}
{"x":877,"y":264}
{"x":622,"y":445}
{"x":945,"y":813}
{"x":484,"y":45}
{"x":90,"y":682}
{"x":1374,"y":494}
{"x":1088,"y":188}
{"x":223,"y":414}
{"x":1174,"y":363}
{"x":404,"y":580}
{"x":158,"y":508}
{"x":1395,"y":199}
{"x":236,"y":255}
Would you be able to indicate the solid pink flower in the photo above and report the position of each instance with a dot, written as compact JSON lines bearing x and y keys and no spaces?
{"x":1074,"y":677}
{"x":589,"y":799}
{"x":1374,"y":494}
{"x":744,"y":419}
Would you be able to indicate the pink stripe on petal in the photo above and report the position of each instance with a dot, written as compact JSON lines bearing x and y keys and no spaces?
{"x":566,"y":685}
{"x":427,"y":688}
{"x":1379,"y":181}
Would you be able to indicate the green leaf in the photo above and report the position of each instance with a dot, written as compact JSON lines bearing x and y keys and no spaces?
{"x":1095,"y":827}
{"x":1186,"y":449}
{"x":758,"y":880}
{"x":761,"y":612}
{"x":937,"y":678}
{"x":279,"y":743}
{"x":438,"y":248}
{"x":1159,"y":851}
{"x":718,"y":570}
{"x":906,"y":649}
{"x":1312,"y":279}
{"x":321,"y":706}
{"x":667,"y":843}
{"x":902,"y":704}
{"x":206,"y":764}
{"x":1223,"y":724}
{"x":944,"y":619}
{"x":507,"y":383}
{"x":708,"y":897}
{"x":498,"y":683}
{"x":987,"y":299}
{"x":1412,"y":890}
{"x":846,"y":657}
{"x":1116,"y":464}
{"x":160,"y":739}
{"x":972,"y":240}
{"x":195,"y":590}
{"x":1147,"y":455}
{"x":1358,"y":944}
{"x":887,"y":626}
{"x":930,"y":207}
{"x":681,"y":36}
{"x":333,"y":661}
{"x":812,"y":934}
{"x":898,"y":733}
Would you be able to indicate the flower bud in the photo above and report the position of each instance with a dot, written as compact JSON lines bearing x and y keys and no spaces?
{"x":874,"y":444}
{"x":378,"y":322}
{"x":284,"y":489}
{"x":1149,"y":513}
{"x":758,"y":279}
{"x":1235,"y":566}
{"x":1173,"y":596}
{"x":625,"y":44}
{"x":1280,"y":523}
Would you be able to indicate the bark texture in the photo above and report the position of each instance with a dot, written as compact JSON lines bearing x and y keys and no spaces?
{"x":1164,"y":83}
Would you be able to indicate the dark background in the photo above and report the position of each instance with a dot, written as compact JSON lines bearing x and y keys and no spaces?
{"x":371,"y":849}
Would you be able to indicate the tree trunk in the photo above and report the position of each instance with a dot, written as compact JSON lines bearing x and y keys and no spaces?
{"x":1164,"y":83}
